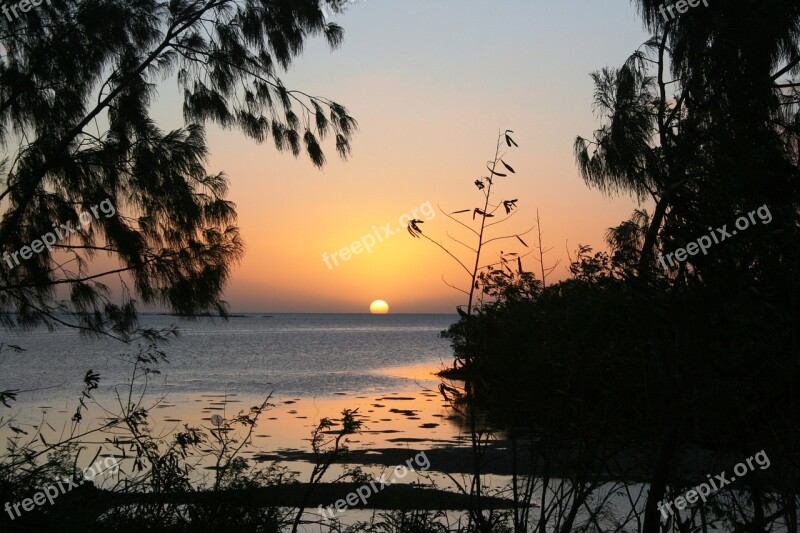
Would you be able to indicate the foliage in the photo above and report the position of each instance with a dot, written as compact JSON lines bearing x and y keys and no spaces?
{"x":76,"y":96}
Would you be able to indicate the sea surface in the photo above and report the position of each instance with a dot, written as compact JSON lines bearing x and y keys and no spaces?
{"x":311,"y":366}
{"x":291,"y":354}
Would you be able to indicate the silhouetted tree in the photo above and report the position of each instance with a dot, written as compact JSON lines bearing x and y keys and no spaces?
{"x":704,"y":121}
{"x":76,"y":95}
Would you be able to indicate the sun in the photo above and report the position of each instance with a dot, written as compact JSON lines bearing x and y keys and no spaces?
{"x":378,"y":307}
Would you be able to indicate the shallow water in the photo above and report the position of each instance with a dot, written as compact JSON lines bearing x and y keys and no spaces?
{"x":313,"y":366}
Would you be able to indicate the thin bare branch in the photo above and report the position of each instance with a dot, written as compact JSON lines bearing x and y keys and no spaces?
{"x":516,"y":235}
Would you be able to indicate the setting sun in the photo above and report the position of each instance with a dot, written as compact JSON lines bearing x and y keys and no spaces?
{"x":378,"y":307}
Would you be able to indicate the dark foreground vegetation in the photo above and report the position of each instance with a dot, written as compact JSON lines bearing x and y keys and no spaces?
{"x":696,"y":358}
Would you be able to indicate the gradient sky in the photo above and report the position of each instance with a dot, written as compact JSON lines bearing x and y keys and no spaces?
{"x":430,"y":83}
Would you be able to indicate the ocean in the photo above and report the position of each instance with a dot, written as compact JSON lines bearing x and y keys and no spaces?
{"x":311,"y":365}
{"x":290,"y":354}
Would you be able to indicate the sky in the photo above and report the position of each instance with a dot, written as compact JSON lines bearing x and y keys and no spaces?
{"x":431,"y":83}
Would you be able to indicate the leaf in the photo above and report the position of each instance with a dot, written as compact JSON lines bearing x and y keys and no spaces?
{"x":413,"y":229}
{"x":496,"y":173}
{"x":480,"y":212}
{"x":8,"y":395}
{"x":91,"y":380}
{"x":509,"y":140}
{"x":510,"y":169}
{"x":523,"y":242}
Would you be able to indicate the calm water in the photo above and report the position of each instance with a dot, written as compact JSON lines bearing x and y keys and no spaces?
{"x":294,"y":355}
{"x":314,"y":365}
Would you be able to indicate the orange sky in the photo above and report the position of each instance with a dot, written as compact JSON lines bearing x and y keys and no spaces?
{"x":430,"y":84}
